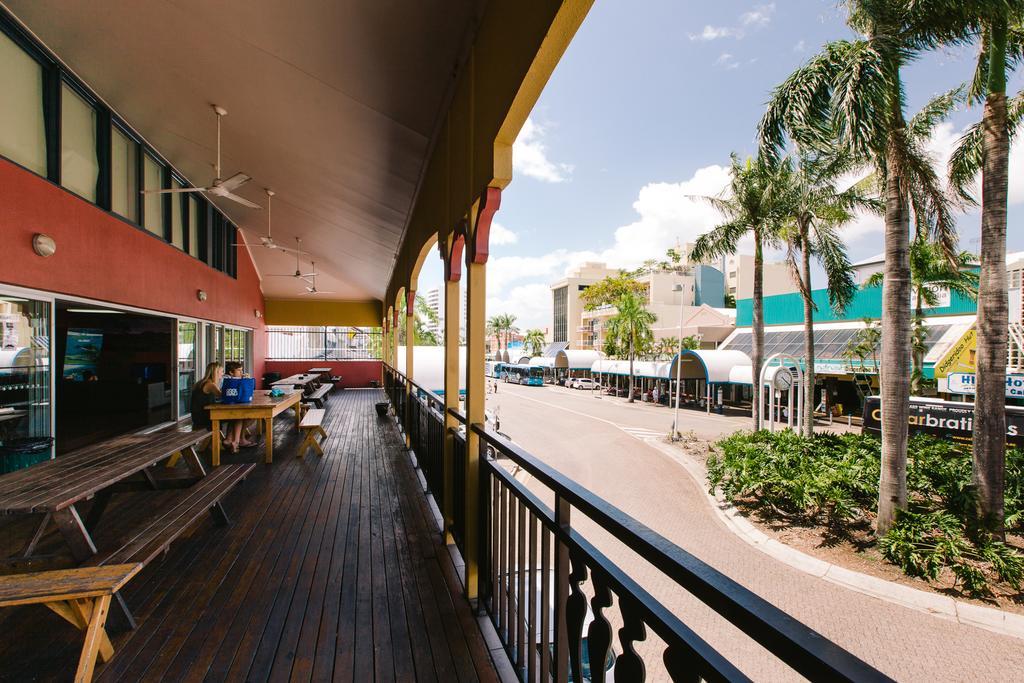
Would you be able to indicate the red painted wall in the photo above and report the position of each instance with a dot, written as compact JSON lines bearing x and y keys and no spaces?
{"x":354,"y":373}
{"x":102,"y":257}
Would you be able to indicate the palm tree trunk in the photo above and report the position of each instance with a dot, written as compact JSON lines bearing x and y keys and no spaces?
{"x":757,"y":324}
{"x":895,"y":390}
{"x":631,"y":368}
{"x":990,"y":401}
{"x":808,"y":335}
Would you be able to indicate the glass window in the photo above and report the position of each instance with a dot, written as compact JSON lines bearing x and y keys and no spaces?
{"x":177,"y":224}
{"x":79,"y":167}
{"x":22,"y":130}
{"x":193,"y":226}
{"x":186,"y":366}
{"x":25,"y":377}
{"x":153,"y":207}
{"x":124,"y":181}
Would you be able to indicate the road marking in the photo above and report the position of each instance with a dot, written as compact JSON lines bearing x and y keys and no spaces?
{"x":641,"y":433}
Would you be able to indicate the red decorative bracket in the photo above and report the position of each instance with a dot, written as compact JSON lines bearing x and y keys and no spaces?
{"x":410,"y":301}
{"x":453,"y":264}
{"x":490,"y":202}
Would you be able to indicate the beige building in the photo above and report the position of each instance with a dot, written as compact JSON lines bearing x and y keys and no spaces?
{"x":567,"y":307}
{"x":739,"y":277}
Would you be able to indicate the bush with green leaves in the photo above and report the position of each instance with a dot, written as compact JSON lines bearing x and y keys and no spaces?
{"x":833,"y":480}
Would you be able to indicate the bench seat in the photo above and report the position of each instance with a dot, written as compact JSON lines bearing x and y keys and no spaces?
{"x":318,"y":396}
{"x":312,"y":426}
{"x":80,"y":596}
{"x":154,"y":537}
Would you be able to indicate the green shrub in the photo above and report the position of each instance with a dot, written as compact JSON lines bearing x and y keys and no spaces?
{"x":833,"y":480}
{"x":830,"y":478}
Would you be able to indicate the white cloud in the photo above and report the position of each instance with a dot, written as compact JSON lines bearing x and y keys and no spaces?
{"x":714,"y":33}
{"x":727,"y":61}
{"x":529,"y":156}
{"x":530,"y":303}
{"x":760,"y":15}
{"x":757,"y":17}
{"x":500,"y":235}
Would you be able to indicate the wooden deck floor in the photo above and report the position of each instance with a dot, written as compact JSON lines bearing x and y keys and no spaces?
{"x":331,"y":570}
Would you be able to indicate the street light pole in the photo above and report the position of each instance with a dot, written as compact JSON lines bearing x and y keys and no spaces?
{"x":679,"y":365}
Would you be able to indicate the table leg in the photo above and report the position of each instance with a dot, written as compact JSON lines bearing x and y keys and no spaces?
{"x":269,"y":437}
{"x":31,"y":547}
{"x":195,"y":465}
{"x":93,"y":639}
{"x":298,"y":415}
{"x":75,"y":534}
{"x":215,"y":443}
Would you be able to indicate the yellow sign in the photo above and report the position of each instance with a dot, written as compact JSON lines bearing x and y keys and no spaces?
{"x":961,"y":357}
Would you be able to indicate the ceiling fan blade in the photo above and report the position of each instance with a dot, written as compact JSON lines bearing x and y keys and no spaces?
{"x":241,"y":200}
{"x":174,"y":191}
{"x":234,"y":182}
{"x":320,"y":291}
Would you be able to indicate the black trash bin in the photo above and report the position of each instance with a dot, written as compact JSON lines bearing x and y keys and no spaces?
{"x":16,"y":454}
{"x":269,"y":378}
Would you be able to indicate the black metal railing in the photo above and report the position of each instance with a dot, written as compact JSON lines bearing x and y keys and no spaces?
{"x":553,"y":596}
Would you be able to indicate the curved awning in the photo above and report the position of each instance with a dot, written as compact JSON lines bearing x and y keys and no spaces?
{"x":542,"y":362}
{"x":576,"y":359}
{"x":641,"y":368}
{"x":716,"y":366}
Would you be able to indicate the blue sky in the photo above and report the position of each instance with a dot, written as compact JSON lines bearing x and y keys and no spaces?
{"x":642,"y":113}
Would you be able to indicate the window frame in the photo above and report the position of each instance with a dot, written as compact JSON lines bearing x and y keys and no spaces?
{"x":102,"y":178}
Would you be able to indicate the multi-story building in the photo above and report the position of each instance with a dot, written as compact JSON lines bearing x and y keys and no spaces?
{"x":435,"y":301}
{"x":567,"y":307}
{"x":698,"y":286}
{"x":739,"y":277}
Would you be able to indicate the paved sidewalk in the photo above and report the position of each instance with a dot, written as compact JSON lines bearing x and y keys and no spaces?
{"x":600,"y":443}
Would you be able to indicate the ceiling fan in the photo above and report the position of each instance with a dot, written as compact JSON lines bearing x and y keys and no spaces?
{"x":267,"y":240}
{"x":219,"y":188}
{"x":312,"y":290}
{"x":298,"y":266}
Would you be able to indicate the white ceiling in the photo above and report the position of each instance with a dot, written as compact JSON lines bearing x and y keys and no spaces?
{"x":332,"y":104}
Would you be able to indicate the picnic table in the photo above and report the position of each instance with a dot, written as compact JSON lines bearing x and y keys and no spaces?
{"x":319,"y":371}
{"x":296,"y":381}
{"x":263,"y":407}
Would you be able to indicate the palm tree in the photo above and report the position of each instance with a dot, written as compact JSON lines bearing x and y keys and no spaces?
{"x":666,"y":347}
{"x":748,"y":206}
{"x":852,"y":93}
{"x":930,"y":272}
{"x":533,"y":342}
{"x":630,"y":327}
{"x":986,"y":147}
{"x":502,"y":326}
{"x":817,"y":209}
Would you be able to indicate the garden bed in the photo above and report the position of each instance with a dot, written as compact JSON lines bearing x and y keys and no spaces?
{"x":819,"y":496}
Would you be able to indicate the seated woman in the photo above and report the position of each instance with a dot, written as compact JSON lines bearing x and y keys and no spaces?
{"x":205,"y":392}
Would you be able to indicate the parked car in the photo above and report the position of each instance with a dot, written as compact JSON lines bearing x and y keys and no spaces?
{"x":584,"y":383}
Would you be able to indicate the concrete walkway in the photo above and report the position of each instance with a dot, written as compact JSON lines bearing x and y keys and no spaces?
{"x":601,"y":443}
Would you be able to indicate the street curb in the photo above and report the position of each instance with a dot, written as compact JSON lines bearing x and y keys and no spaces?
{"x":988,"y":618}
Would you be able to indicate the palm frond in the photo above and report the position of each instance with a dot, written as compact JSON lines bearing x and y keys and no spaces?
{"x":832,"y":254}
{"x":934,"y":112}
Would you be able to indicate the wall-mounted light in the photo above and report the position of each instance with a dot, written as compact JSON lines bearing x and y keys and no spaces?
{"x":44,"y":245}
{"x":201,"y":295}
{"x":257,"y":312}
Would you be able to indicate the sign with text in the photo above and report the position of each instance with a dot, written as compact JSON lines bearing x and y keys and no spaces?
{"x":966,"y":382}
{"x":944,"y":419}
{"x":960,"y":357}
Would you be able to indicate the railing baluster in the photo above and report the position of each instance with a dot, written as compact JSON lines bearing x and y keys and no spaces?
{"x":495,"y":530}
{"x":629,"y":666}
{"x":531,"y":635}
{"x":561,"y":659}
{"x":521,"y":595}
{"x":681,"y":664}
{"x":599,"y":635}
{"x":576,"y":614}
{"x":511,"y":576}
{"x":503,"y":564}
{"x":545,"y":605}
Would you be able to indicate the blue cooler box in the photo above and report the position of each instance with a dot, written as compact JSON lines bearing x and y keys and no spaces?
{"x":238,"y":389}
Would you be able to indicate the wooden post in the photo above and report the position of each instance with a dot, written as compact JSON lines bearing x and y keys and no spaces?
{"x":410,"y":343}
{"x":451,"y":400}
{"x":476,"y":296}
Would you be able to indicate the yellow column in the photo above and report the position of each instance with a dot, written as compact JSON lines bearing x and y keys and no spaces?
{"x":451,"y":400}
{"x":410,"y":343}
{"x":476,"y":340}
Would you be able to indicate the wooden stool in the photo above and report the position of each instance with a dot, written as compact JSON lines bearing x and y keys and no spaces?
{"x":312,"y":427}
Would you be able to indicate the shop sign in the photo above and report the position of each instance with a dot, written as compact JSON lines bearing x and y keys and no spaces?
{"x":947,"y":420}
{"x":966,"y":383}
{"x":960,"y":357}
{"x":830,"y":367}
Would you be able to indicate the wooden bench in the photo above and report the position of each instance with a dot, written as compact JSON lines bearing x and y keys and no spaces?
{"x":152,"y":538}
{"x":318,"y":396}
{"x":312,"y":427}
{"x":81,"y":596}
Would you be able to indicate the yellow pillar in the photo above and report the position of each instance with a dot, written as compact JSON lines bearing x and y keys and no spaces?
{"x":476,"y":338}
{"x":451,"y":399}
{"x":410,"y":343}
